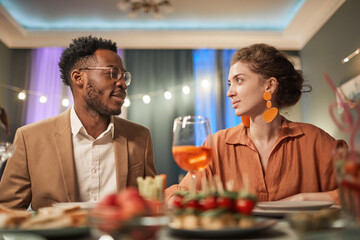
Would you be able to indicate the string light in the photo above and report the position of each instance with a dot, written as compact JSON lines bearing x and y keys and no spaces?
{"x":186,"y":89}
{"x":146,"y":99}
{"x":65,"y":102}
{"x":22,"y":95}
{"x":43,"y":99}
{"x":205,"y":83}
{"x":127,"y":102}
{"x":167,"y":95}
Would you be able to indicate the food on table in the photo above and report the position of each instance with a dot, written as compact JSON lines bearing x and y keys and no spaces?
{"x":213,"y":210}
{"x":45,"y":218}
{"x":122,"y":213}
{"x":152,"y":187}
{"x":12,"y":218}
{"x":304,"y":221}
{"x":347,"y":166}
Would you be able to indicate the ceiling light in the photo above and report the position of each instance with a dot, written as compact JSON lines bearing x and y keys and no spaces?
{"x":147,"y":6}
{"x":353,"y":54}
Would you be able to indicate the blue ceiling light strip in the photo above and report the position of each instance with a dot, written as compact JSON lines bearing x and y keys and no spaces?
{"x":31,"y":21}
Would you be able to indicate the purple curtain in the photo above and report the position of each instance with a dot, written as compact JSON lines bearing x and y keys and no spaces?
{"x":44,"y":80}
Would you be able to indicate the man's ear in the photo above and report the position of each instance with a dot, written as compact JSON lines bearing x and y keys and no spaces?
{"x":272,"y":85}
{"x":77,"y":77}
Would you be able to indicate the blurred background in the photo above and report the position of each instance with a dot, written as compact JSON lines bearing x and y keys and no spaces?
{"x":178,"y":52}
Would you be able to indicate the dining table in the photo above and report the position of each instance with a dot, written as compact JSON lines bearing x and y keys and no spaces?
{"x":281,"y":230}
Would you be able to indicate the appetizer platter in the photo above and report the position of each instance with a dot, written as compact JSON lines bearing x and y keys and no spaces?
{"x":47,"y":222}
{"x":214,"y":211}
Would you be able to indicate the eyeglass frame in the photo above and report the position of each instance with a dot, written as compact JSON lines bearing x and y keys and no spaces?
{"x":123,"y":74}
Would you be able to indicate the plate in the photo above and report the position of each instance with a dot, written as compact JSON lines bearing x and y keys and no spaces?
{"x":274,"y":213}
{"x":261,"y":224}
{"x":83,"y":205}
{"x":22,"y":236}
{"x":48,"y":233}
{"x":294,"y":205}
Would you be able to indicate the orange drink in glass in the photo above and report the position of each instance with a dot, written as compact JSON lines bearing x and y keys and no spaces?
{"x":192,"y":145}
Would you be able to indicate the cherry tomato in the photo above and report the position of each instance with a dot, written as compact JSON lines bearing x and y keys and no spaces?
{"x":351,"y":168}
{"x":245,"y":206}
{"x":178,"y":201}
{"x":225,"y":202}
{"x":192,"y":204}
{"x":209,"y":203}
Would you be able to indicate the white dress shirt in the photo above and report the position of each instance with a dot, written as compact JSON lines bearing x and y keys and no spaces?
{"x":94,"y":161}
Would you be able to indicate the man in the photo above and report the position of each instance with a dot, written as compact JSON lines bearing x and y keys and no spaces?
{"x":84,"y":153}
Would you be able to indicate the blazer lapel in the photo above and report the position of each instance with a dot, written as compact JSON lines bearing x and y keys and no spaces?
{"x":121,"y":154}
{"x":65,"y":155}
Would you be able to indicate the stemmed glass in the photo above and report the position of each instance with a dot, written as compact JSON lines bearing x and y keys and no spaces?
{"x":6,"y":151}
{"x":192,"y":145}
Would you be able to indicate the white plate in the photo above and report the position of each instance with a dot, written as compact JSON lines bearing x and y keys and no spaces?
{"x":261,"y":224}
{"x":273,"y":213}
{"x":83,"y":205}
{"x":293,"y":205}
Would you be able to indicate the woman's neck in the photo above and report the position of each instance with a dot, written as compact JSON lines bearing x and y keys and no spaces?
{"x":262,"y":131}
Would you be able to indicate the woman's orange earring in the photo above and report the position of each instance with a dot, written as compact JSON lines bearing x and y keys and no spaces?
{"x":271,"y":112}
{"x":245,"y":120}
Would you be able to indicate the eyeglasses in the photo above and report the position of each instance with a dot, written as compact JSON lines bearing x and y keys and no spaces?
{"x":115,"y":73}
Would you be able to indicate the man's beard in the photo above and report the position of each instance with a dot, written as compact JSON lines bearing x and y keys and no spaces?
{"x":94,"y":104}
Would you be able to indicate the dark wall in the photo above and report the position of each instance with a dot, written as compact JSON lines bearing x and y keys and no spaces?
{"x":4,"y":71}
{"x":14,"y":71}
{"x":339,"y":37}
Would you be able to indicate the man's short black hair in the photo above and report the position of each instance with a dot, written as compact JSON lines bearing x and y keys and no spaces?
{"x":79,"y":51}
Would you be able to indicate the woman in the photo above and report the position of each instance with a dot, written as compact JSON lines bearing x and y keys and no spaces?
{"x":283,"y":160}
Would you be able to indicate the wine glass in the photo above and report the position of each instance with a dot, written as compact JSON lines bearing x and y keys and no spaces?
{"x":192,"y":145}
{"x":6,"y":151}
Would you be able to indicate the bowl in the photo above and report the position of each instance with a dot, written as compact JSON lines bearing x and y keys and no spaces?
{"x":308,"y":221}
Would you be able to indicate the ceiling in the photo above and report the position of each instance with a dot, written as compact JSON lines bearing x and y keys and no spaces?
{"x":286,"y":24}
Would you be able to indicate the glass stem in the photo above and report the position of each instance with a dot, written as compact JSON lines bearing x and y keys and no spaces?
{"x":193,"y":183}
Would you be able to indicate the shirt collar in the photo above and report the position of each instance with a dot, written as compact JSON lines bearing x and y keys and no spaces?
{"x":77,"y":126}
{"x":238,"y":135}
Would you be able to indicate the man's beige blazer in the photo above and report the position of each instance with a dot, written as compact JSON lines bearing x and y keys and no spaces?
{"x":42,"y":170}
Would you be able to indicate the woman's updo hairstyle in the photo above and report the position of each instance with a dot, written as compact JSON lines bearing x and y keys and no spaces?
{"x":269,"y":62}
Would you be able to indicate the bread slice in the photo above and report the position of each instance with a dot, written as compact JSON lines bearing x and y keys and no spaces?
{"x":54,"y":220}
{"x":13,"y":218}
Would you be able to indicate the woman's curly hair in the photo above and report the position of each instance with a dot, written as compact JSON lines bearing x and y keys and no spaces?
{"x":269,"y":62}
{"x":79,"y":51}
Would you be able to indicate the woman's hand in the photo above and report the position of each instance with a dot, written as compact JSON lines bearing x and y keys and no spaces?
{"x":319,"y":196}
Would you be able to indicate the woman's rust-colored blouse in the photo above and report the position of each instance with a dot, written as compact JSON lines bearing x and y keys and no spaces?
{"x":300,"y":162}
